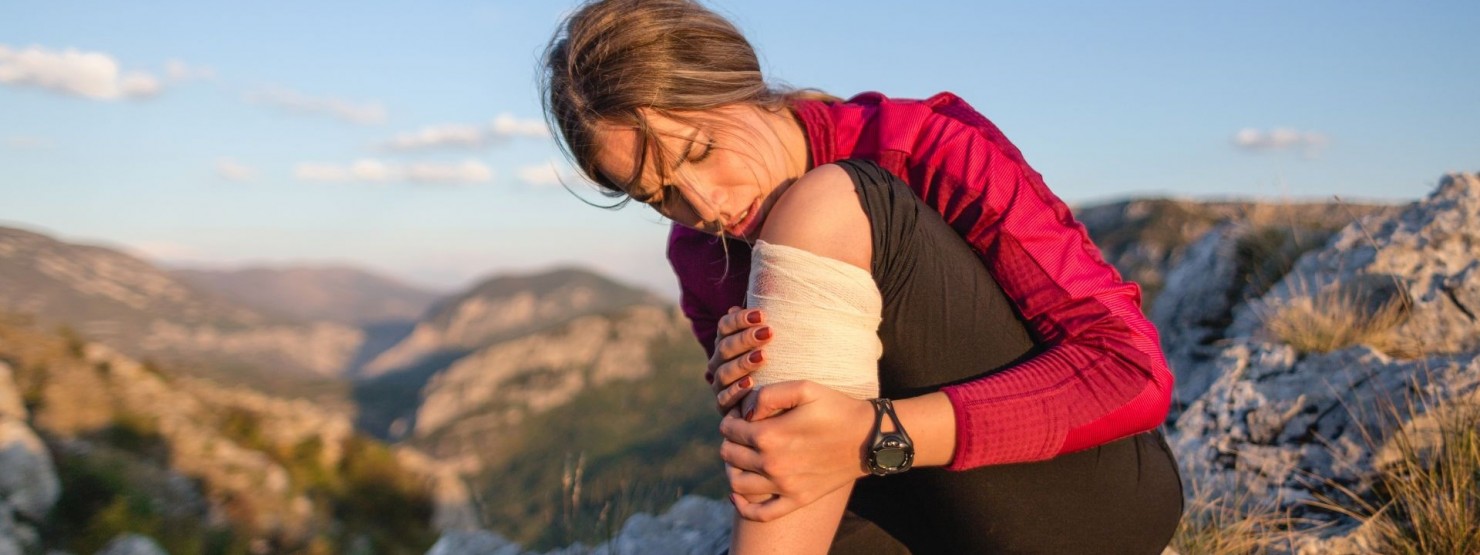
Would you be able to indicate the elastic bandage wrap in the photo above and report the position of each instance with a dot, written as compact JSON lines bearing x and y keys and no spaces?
{"x":824,"y":315}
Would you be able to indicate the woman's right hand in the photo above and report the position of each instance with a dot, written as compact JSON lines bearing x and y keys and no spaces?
{"x":737,"y":353}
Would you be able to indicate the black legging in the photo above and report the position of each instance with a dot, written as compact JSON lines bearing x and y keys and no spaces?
{"x":945,"y":320}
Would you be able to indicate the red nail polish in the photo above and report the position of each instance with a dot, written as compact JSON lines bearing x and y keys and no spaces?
{"x":763,"y":333}
{"x":753,"y":317}
{"x":756,"y":357}
{"x":749,"y":412}
{"x":709,"y":377}
{"x":746,"y":382}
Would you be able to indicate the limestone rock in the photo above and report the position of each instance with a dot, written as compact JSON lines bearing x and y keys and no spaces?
{"x":1427,"y":256}
{"x":479,"y":542}
{"x":1271,"y":424}
{"x":28,"y":480}
{"x":132,"y":544}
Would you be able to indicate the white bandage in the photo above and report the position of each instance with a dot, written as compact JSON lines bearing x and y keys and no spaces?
{"x":824,"y":315}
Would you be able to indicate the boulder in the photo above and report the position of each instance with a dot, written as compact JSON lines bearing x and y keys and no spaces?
{"x":132,"y":544}
{"x":28,"y":480}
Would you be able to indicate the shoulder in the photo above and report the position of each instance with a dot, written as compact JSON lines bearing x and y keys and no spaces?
{"x":820,"y":213}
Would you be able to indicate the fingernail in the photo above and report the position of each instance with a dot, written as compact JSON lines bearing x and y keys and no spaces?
{"x":763,"y":333}
{"x":754,"y":317}
{"x":755,"y":357}
{"x":732,"y":501}
{"x":745,"y":382}
{"x":749,"y":412}
{"x":709,"y":376}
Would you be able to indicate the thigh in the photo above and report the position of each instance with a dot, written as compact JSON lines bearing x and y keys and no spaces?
{"x":1122,"y":497}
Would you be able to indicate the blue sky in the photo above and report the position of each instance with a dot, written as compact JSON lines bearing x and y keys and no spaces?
{"x":403,"y":137}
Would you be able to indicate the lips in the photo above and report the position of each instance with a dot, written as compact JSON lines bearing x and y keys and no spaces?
{"x":743,"y":227}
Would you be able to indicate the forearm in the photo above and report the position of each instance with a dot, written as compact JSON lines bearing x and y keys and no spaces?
{"x":809,"y":529}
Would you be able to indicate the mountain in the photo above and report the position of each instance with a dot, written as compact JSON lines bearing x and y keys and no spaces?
{"x":336,"y":294}
{"x":503,"y":307}
{"x":142,"y":311}
{"x":458,"y":331}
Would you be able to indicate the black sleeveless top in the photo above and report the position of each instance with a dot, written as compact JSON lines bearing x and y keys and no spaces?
{"x":945,"y":320}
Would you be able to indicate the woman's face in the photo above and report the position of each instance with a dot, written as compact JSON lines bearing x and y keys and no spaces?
{"x":726,"y":167}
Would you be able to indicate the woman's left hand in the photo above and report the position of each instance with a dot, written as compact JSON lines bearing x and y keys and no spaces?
{"x":800,"y":441}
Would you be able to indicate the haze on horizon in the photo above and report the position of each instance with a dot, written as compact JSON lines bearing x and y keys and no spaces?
{"x":407,"y":138}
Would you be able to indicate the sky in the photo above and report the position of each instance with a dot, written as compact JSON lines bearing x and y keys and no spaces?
{"x":407,"y":137}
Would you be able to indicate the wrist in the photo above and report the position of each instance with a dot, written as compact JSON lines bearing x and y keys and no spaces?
{"x":930,"y":420}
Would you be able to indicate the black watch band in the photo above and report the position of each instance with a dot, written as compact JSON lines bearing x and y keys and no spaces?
{"x":889,"y":452}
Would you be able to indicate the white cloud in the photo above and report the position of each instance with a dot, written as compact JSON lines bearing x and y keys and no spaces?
{"x":177,"y":71}
{"x":450,"y":135}
{"x":230,"y":170}
{"x":363,"y":113}
{"x":550,"y":174}
{"x":1309,"y":143}
{"x":506,"y":125}
{"x":456,"y":135}
{"x":369,"y":170}
{"x":22,"y":142}
{"x":94,"y":75}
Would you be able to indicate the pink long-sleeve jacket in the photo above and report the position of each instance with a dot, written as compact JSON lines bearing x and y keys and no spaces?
{"x":1102,"y":375}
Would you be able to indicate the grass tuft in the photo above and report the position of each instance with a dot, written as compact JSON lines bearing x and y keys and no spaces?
{"x":1363,"y":312}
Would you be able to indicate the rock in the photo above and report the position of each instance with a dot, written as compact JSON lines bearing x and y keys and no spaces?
{"x":1427,"y":256}
{"x":1194,"y":309}
{"x":132,"y":544}
{"x":693,"y":526}
{"x":480,"y":542}
{"x":1276,"y":425}
{"x":28,"y":480}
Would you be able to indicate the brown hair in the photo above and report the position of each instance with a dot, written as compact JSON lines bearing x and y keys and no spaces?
{"x":613,"y":57}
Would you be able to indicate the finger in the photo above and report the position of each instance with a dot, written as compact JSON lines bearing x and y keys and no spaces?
{"x":740,"y":457}
{"x":729,"y":396}
{"x":737,"y":430}
{"x":739,"y":343}
{"x":731,"y":372}
{"x":778,"y":398}
{"x":738,"y":319}
{"x":765,"y":511}
{"x":754,"y":487}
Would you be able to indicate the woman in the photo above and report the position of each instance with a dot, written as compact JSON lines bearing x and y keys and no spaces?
{"x":663,"y":101}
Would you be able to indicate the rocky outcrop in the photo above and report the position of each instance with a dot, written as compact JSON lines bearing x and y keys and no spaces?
{"x":1146,"y":238}
{"x":1273,"y":419}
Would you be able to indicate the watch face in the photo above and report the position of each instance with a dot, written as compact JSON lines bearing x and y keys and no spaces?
{"x":889,"y":457}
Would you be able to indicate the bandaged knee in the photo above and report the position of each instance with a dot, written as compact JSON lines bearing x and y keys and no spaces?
{"x":824,"y":315}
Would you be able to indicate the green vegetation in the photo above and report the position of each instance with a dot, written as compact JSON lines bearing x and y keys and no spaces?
{"x":106,"y":493}
{"x":613,"y":451}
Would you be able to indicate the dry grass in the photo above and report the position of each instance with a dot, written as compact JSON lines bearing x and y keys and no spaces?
{"x":1365,"y":312}
{"x":1427,"y":496}
{"x":1220,"y":525}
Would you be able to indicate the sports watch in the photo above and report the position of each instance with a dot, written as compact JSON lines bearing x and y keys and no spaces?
{"x":889,"y":452}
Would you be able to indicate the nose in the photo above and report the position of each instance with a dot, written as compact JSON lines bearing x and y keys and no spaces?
{"x":706,"y":203}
